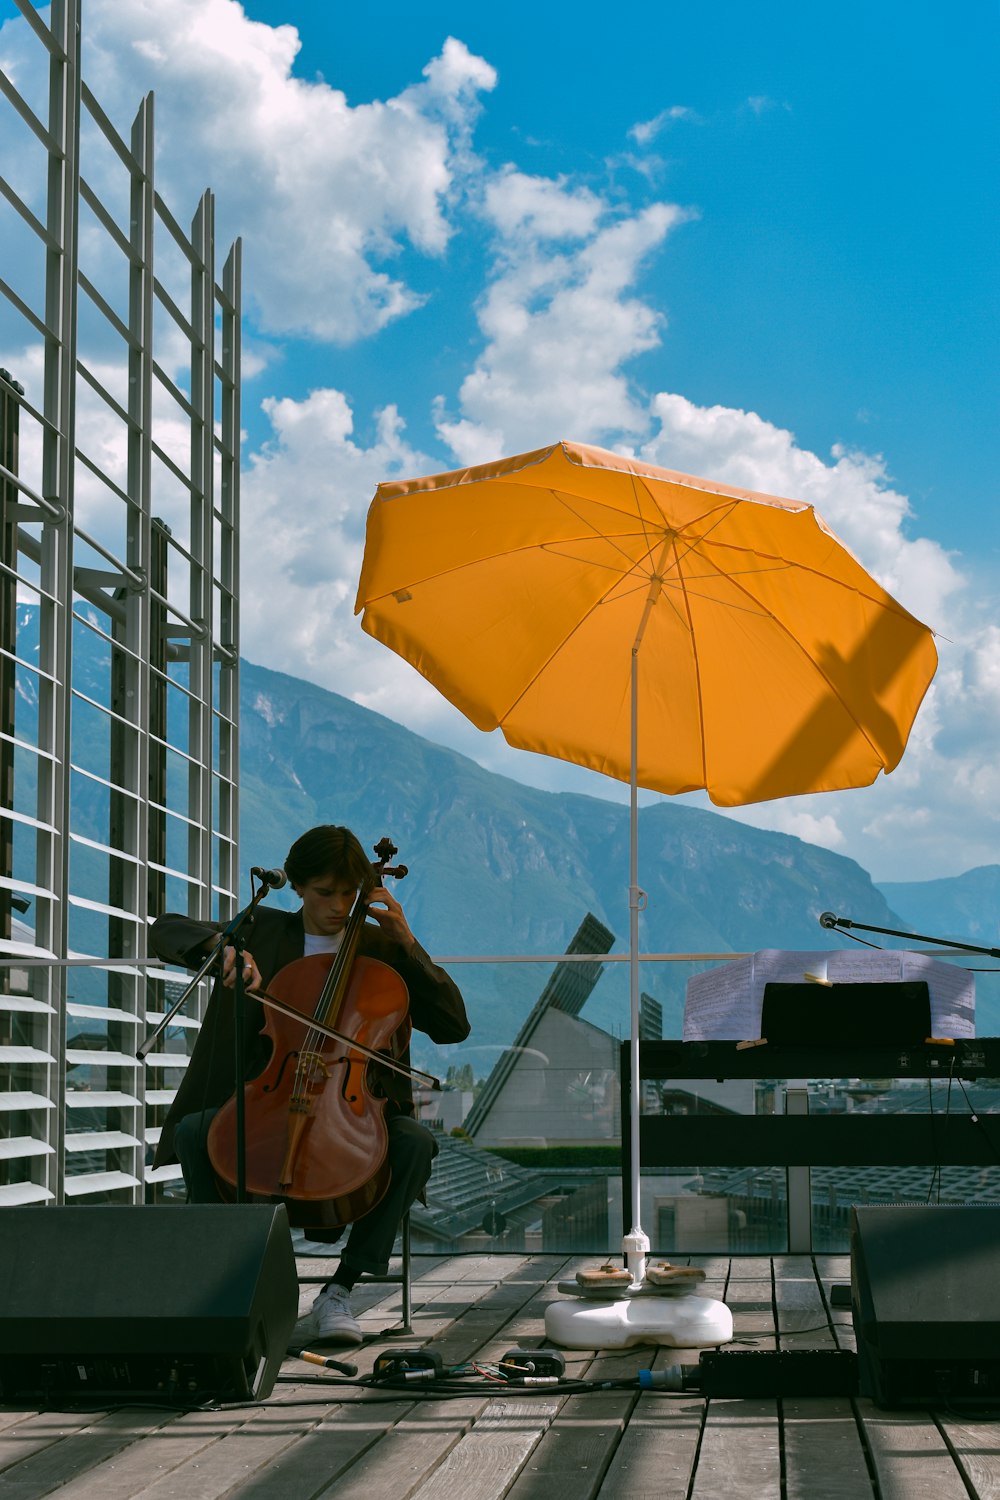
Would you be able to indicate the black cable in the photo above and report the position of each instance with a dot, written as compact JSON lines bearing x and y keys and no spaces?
{"x":376,"y":1392}
{"x":776,"y":1333}
{"x":863,"y":941}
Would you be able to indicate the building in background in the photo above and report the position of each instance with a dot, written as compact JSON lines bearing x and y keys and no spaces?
{"x":119,"y":524}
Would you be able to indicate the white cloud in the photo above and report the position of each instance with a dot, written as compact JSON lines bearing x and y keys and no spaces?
{"x":325,"y":193}
{"x":305,"y":498}
{"x":558,"y":325}
{"x":788,"y":817}
{"x":646,"y":131}
{"x":540,"y":208}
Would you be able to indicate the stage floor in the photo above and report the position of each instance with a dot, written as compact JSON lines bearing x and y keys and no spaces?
{"x":308,"y":1440}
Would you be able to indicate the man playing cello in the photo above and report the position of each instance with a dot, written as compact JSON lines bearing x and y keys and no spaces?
{"x":327,"y":867}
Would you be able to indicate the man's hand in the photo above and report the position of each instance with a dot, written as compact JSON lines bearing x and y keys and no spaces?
{"x":251,"y":974}
{"x":388,"y":913}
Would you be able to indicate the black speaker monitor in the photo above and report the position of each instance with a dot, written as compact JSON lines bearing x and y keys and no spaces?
{"x":185,"y":1302}
{"x":925,"y":1298}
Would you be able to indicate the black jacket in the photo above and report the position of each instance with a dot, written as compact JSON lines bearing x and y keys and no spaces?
{"x":277,"y":938}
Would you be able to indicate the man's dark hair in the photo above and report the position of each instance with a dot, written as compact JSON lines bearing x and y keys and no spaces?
{"x":329,"y":850}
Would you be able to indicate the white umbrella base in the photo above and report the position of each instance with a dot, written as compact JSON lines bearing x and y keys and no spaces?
{"x":683,"y":1322}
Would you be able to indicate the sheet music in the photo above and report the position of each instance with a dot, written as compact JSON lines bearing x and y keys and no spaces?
{"x":724,"y":1004}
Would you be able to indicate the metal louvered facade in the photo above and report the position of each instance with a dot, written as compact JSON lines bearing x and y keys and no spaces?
{"x":119,"y":509}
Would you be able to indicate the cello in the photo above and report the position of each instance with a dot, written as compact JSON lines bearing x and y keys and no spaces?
{"x":316,"y":1135}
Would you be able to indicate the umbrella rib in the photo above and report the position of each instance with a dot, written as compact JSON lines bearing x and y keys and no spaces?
{"x":596,"y":531}
{"x":797,"y":645}
{"x":697,"y":666}
{"x":555,"y":649}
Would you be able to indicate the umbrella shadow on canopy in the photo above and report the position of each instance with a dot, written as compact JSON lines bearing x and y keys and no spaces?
{"x":825,"y":727}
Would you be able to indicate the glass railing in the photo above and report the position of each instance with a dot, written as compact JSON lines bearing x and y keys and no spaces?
{"x":528,"y":1119}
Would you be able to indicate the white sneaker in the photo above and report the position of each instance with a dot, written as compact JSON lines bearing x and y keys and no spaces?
{"x":335,"y":1323}
{"x":305,"y":1329}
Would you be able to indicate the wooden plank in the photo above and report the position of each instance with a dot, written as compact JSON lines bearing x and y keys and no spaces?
{"x":33,"y":1432}
{"x":793,"y":1268}
{"x":103,"y":1437}
{"x":483,"y":1464}
{"x":600,"y":1415}
{"x":575,"y":1451}
{"x":911,"y":1459}
{"x":443,"y":1439}
{"x":408,"y":1452}
{"x":831,"y":1271}
{"x":744,"y":1268}
{"x":131,"y":1471}
{"x":12,"y":1417}
{"x":740,"y":1452}
{"x":413,"y":1446}
{"x":824,"y":1456}
{"x":833,"y":1267}
{"x":802,"y":1314}
{"x":228,"y":1463}
{"x":716,"y":1267}
{"x":977,"y":1451}
{"x":493,"y":1311}
{"x":752,"y":1306}
{"x":657,"y":1453}
{"x":331,"y":1458}
{"x":342,"y":1453}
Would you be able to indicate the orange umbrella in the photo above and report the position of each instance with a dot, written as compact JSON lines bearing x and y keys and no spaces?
{"x":771,"y":662}
{"x":665,"y":630}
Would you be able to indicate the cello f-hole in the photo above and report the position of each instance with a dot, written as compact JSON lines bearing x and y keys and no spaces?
{"x":269,"y":1088}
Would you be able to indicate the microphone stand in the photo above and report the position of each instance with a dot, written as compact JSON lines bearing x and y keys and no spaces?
{"x":828,"y":920}
{"x":232,"y":936}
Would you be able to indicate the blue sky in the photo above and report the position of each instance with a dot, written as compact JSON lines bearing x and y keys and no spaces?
{"x":841,"y":276}
{"x":753,"y":242}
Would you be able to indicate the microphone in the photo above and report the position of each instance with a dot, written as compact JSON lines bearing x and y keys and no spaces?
{"x":274,"y":878}
{"x":827,"y":919}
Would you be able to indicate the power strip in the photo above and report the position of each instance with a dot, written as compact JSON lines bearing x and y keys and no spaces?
{"x":784,"y":1372}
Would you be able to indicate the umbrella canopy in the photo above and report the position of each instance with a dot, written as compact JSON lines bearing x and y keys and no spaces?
{"x":772,"y":663}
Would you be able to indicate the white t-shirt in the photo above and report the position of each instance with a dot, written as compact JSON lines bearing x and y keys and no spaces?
{"x":316,"y":943}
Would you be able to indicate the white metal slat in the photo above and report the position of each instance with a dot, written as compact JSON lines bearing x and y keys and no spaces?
{"x":20,"y":1147}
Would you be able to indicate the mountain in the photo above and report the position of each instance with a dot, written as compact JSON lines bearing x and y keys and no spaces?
{"x":966,"y":907}
{"x":500,"y":868}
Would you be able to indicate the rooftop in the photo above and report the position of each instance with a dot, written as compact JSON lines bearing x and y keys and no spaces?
{"x":312,"y":1440}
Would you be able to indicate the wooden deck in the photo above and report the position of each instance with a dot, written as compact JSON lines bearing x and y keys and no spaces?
{"x":309,"y":1441}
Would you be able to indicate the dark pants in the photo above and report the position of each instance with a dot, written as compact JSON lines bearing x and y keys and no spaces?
{"x":412,"y":1150}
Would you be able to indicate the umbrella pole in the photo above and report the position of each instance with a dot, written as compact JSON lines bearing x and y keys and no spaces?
{"x":635,"y":1245}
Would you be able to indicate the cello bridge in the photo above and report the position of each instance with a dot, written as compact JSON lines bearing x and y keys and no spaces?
{"x":313,"y":1068}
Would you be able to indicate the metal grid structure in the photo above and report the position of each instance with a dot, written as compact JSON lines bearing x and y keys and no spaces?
{"x":119,"y":508}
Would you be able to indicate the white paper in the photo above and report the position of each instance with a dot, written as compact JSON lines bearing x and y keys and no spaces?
{"x":724,"y":1004}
